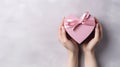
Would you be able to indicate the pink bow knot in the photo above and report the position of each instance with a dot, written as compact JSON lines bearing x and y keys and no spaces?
{"x":74,"y":22}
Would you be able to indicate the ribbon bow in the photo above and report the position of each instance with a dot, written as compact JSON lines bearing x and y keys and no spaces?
{"x":74,"y":22}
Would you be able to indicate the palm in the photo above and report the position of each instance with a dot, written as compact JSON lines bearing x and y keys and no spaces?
{"x":93,"y":39}
{"x":71,"y":45}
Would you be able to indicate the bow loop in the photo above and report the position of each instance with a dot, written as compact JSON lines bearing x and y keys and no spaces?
{"x":74,"y":22}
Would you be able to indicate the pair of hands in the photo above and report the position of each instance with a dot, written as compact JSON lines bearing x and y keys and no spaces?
{"x":72,"y":46}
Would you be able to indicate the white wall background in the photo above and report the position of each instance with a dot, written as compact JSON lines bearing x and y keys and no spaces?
{"x":28,"y":31}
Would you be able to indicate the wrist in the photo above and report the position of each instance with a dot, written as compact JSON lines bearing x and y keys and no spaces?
{"x":89,"y":52}
{"x":76,"y":51}
{"x":73,"y":56}
{"x":73,"y":53}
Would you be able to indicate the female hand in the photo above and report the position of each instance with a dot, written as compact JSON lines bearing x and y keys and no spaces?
{"x":69,"y":44}
{"x":89,"y":45}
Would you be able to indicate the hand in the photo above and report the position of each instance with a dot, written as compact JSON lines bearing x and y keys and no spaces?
{"x":89,"y":45}
{"x":68,"y":43}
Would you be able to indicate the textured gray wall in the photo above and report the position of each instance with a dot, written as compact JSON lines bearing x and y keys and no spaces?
{"x":28,"y":31}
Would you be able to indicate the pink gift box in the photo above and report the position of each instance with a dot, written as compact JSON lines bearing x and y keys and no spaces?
{"x":79,"y":28}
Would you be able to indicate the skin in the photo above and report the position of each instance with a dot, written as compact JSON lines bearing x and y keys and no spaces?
{"x":87,"y":47}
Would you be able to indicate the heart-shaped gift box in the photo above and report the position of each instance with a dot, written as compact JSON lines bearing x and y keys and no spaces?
{"x":79,"y":28}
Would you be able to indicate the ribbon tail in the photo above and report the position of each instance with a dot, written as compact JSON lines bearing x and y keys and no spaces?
{"x":76,"y":26}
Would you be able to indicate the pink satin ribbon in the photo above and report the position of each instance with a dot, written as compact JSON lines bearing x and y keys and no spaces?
{"x":75,"y":22}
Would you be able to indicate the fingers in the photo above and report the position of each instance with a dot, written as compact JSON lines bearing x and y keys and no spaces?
{"x":98,"y":31}
{"x":100,"y":26}
{"x":60,"y":30}
{"x":62,"y":23}
{"x":101,"y":32}
{"x":62,"y":33}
